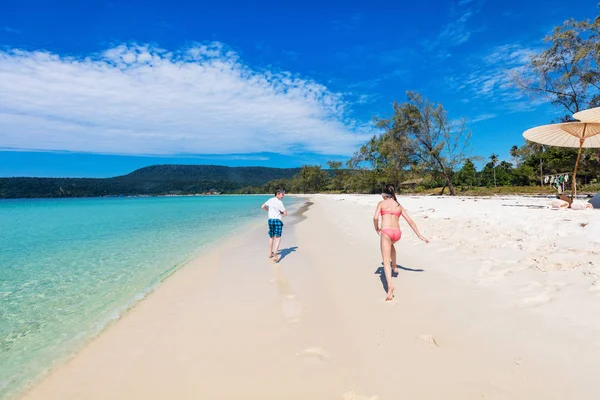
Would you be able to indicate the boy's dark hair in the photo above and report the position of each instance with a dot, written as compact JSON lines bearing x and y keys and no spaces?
{"x":279,"y":190}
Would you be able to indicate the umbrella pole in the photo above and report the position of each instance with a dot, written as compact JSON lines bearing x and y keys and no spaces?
{"x":575,"y":172}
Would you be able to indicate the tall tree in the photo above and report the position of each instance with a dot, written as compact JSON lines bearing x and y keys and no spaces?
{"x":534,"y":155}
{"x":386,"y":154}
{"x":467,"y":174}
{"x":566,"y":72}
{"x":312,"y":178}
{"x":514,"y":153}
{"x":429,"y":139}
{"x":338,"y":179}
{"x":494,"y":161}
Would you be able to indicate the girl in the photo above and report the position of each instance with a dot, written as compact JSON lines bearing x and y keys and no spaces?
{"x":390,"y":211}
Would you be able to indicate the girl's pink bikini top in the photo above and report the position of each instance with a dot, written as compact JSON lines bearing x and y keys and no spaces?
{"x":384,"y":212}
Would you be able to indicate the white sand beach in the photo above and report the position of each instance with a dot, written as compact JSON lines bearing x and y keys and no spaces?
{"x":503,"y":303}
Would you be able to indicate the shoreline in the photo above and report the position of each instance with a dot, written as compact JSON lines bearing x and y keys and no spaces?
{"x":202,"y":265}
{"x":579,"y":195}
{"x":87,"y":336}
{"x":316,"y":324}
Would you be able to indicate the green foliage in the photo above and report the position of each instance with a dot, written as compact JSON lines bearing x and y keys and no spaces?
{"x":418,"y":138}
{"x":364,"y":181}
{"x":154,"y":180}
{"x":467,"y":176}
{"x":566,"y":72}
{"x":337,"y":180}
{"x":591,"y":188}
{"x":385,"y":155}
{"x":523,"y":175}
{"x":504,"y":173}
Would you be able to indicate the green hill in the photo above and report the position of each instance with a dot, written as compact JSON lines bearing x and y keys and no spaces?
{"x":153,"y":180}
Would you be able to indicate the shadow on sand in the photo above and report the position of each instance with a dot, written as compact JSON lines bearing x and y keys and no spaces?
{"x":284,"y":252}
{"x":381,"y":273}
{"x":524,"y":205}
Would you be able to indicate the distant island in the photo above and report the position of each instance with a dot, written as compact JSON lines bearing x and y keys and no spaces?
{"x":153,"y":180}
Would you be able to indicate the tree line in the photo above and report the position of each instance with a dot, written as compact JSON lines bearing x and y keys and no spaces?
{"x":420,"y":147}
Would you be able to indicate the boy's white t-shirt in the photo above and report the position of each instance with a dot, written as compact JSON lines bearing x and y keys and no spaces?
{"x":275,"y":207}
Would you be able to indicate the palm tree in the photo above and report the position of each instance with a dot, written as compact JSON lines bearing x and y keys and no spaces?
{"x":494,"y":159}
{"x":532,"y":148}
{"x":514,"y":153}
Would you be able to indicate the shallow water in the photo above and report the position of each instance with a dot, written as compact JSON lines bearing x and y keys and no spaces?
{"x":69,"y":266}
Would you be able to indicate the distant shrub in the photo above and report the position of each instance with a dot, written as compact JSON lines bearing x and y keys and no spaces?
{"x":594,"y":187}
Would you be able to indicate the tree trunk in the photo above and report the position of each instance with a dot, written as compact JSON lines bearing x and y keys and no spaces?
{"x":451,"y":187}
{"x":446,"y":177}
{"x":574,"y":182}
{"x":541,"y":173}
{"x":449,"y":184}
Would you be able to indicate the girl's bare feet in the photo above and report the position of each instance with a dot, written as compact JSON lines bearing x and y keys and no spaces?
{"x":271,"y":255}
{"x":275,"y":257}
{"x":390,"y":293}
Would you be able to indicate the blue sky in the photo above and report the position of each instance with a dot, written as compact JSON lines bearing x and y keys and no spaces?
{"x":99,"y":88}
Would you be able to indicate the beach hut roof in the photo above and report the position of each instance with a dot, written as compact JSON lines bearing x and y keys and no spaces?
{"x":412,"y":181}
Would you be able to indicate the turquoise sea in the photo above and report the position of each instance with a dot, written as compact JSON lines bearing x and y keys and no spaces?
{"x":70,"y":266}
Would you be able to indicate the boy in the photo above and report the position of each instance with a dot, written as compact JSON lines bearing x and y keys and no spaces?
{"x":275,"y":209}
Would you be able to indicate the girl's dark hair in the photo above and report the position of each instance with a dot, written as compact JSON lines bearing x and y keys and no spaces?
{"x":391,"y":192}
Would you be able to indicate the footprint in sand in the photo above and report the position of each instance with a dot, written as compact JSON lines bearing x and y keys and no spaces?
{"x":518,"y":361}
{"x":443,"y":249}
{"x":495,"y":276}
{"x":595,"y":289}
{"x":291,"y":307}
{"x":429,"y":339}
{"x":537,"y":300}
{"x":547,"y":290}
{"x":315,"y":353}
{"x":486,"y":273}
{"x":531,"y":286}
{"x":355,"y":396}
{"x":486,"y":268}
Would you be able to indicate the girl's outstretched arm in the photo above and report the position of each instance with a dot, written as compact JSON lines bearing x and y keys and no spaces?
{"x":413,"y":225}
{"x":376,"y":217}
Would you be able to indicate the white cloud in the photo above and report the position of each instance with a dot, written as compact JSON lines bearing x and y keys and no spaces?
{"x":135,"y":99}
{"x":11,"y":30}
{"x":491,"y":77}
{"x":455,"y":32}
{"x":482,"y":117}
{"x":348,"y":22}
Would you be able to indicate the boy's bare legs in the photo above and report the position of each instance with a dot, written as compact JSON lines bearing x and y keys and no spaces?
{"x":271,"y":247}
{"x":277,"y":242}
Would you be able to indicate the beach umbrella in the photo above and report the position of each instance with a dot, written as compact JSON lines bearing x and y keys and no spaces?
{"x":568,"y":134}
{"x":591,"y":115}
